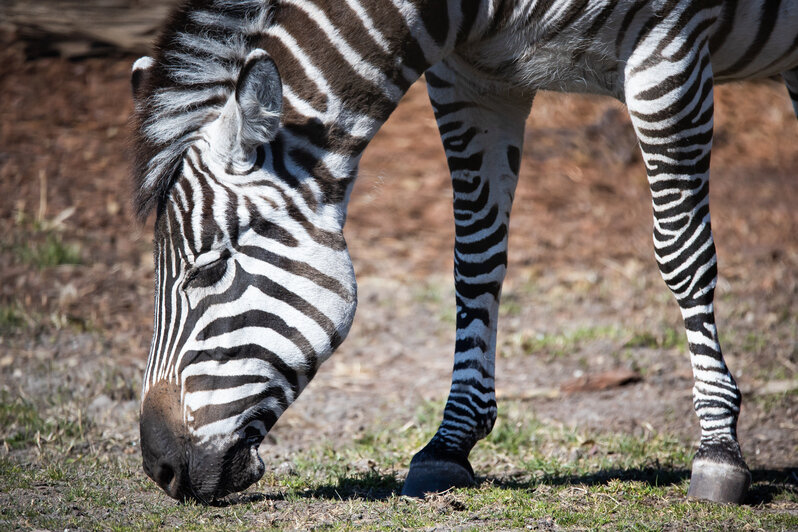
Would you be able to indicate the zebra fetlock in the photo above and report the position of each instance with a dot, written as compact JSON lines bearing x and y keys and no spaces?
{"x":250,"y":121}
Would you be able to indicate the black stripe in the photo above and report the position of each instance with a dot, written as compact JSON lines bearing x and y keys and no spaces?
{"x":463,"y":186}
{"x":475,"y":290}
{"x":466,"y":344}
{"x":208,"y":414}
{"x":299,"y":268}
{"x":514,"y":159}
{"x":197,"y":383}
{"x":268,"y":229}
{"x":467,"y":315}
{"x":469,"y":10}
{"x":458,"y":143}
{"x":224,"y":354}
{"x":477,"y":225}
{"x":442,"y":109}
{"x":436,"y":20}
{"x":484,"y":244}
{"x":461,"y":164}
{"x":474,"y":269}
{"x":473,"y":206}
{"x":767,"y":22}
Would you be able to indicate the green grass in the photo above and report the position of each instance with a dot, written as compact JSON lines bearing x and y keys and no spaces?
{"x":511,"y":305}
{"x":563,"y":343}
{"x":532,"y":474}
{"x":23,"y":426}
{"x":16,"y":319}
{"x":439,"y":298}
{"x":46,"y":251}
{"x":39,"y":243}
{"x":11,"y":318}
{"x":663,"y":338}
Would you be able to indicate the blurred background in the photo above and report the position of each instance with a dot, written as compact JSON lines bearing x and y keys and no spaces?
{"x":583,"y":303}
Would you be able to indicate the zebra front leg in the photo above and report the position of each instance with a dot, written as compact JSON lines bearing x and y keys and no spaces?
{"x":670,"y":101}
{"x":482,"y":136}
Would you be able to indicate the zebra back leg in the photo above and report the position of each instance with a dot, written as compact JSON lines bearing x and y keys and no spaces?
{"x":482,"y":137}
{"x":791,"y":80}
{"x":670,"y":101}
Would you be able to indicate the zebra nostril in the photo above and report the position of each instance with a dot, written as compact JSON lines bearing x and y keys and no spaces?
{"x":165,"y":474}
{"x":169,"y":479}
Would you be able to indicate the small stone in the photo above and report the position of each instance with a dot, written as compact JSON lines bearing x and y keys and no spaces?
{"x":285,"y":469}
{"x":100,"y":407}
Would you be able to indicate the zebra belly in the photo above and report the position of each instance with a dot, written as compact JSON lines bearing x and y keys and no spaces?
{"x":747,"y":40}
{"x":562,"y":64}
{"x":559,"y":69}
{"x":753,"y":43}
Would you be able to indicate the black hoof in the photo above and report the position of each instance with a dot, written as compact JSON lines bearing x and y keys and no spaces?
{"x":719,"y":482}
{"x":435,"y":476}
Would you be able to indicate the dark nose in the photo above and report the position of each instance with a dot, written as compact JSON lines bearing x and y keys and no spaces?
{"x":170,"y":477}
{"x":163,"y":455}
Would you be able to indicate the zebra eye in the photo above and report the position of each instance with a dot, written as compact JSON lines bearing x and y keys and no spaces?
{"x":253,"y":436}
{"x":208,"y":274}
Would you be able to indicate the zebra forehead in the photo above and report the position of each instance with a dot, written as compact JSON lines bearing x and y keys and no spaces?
{"x":197,"y":59}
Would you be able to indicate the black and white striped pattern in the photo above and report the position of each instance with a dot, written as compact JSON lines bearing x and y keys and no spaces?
{"x":250,"y":123}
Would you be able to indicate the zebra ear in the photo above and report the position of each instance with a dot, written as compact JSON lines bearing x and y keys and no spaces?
{"x":259,"y":95}
{"x":139,"y":74}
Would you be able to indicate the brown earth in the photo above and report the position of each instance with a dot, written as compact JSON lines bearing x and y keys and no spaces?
{"x":583,"y":295}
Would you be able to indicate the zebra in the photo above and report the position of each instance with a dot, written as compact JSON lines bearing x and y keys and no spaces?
{"x":250,"y":119}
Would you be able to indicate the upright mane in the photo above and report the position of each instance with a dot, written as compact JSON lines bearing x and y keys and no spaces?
{"x":197,"y":58}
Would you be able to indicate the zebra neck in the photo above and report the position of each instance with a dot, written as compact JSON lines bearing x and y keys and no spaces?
{"x":344,"y":65}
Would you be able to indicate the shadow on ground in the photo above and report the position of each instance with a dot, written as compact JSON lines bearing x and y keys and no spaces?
{"x":370,"y":486}
{"x":767,"y":484}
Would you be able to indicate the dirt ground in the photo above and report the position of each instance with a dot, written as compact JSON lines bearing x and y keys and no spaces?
{"x":583,"y":296}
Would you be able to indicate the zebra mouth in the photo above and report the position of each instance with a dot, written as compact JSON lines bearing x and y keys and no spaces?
{"x":254,"y":441}
{"x":245,"y":468}
{"x":260,"y":467}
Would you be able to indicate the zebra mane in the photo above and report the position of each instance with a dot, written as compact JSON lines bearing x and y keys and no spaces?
{"x":197,"y":59}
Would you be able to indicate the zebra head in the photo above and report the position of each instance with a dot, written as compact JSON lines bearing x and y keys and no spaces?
{"x":254,"y":284}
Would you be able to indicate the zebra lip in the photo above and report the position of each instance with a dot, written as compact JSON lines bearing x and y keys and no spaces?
{"x":260,"y":466}
{"x":254,"y":447}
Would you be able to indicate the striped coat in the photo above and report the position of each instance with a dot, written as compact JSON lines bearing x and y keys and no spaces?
{"x":250,"y":121}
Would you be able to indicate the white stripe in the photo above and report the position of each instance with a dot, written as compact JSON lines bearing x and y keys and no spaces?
{"x":375,"y":34}
{"x":311,"y":71}
{"x":196,"y":400}
{"x":414,"y":22}
{"x":269,"y":338}
{"x":227,"y":426}
{"x":365,"y":70}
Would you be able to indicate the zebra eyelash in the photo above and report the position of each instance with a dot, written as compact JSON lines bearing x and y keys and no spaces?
{"x":207,"y":275}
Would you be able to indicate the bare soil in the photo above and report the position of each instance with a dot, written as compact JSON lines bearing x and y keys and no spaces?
{"x":583,"y":296}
